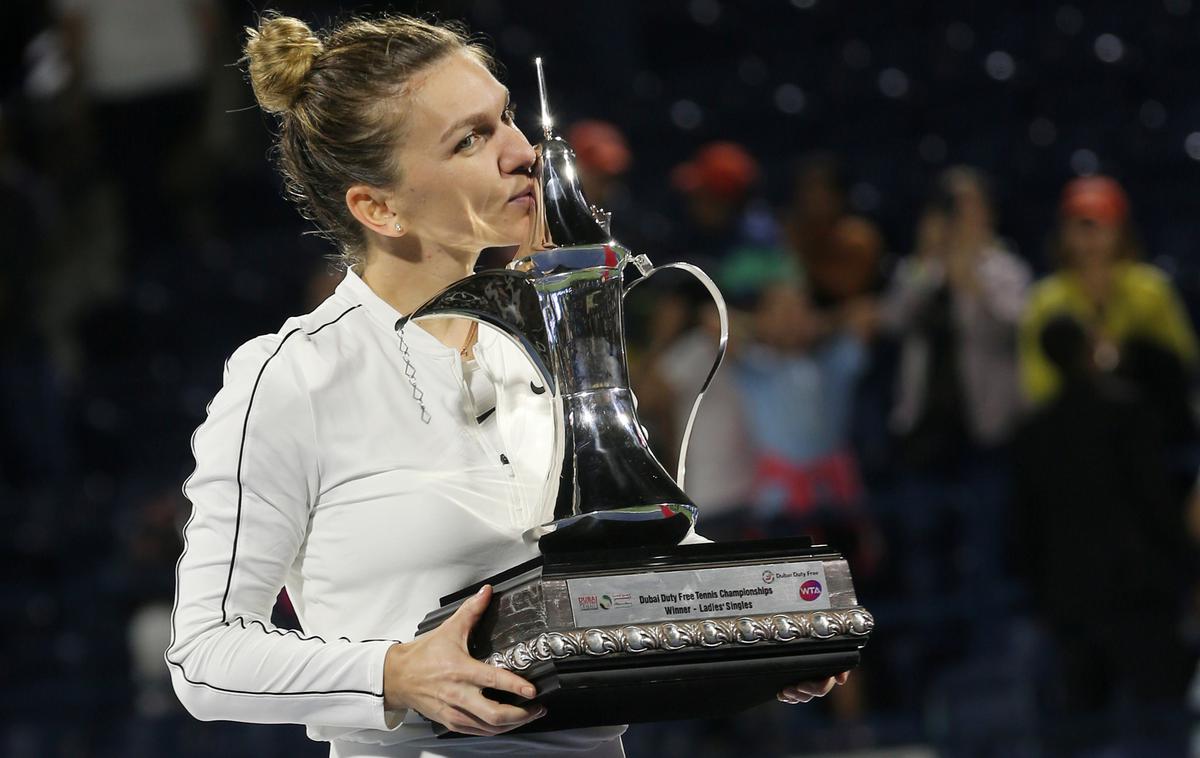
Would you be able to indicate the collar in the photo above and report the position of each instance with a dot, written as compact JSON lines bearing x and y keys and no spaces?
{"x":387,"y":317}
{"x":381,"y":312}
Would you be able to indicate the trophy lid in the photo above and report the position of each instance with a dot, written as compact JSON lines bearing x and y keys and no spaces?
{"x":564,"y":216}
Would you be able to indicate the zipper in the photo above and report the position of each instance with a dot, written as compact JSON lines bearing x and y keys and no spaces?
{"x":518,"y":513}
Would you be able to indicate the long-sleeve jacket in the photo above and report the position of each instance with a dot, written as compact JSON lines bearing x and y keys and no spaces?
{"x":985,"y":325}
{"x":349,"y":464}
{"x":1142,"y":304}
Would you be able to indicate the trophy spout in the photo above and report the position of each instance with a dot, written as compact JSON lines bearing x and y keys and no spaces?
{"x":506,"y":300}
{"x":564,"y":216}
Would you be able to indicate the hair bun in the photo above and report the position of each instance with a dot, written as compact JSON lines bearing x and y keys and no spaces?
{"x":281,"y":53}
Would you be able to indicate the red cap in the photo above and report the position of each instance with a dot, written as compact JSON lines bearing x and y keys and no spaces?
{"x":599,"y":146}
{"x":724,"y":169}
{"x":1096,"y":198}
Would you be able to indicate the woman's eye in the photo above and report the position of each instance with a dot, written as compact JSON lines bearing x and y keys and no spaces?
{"x":467,"y":142}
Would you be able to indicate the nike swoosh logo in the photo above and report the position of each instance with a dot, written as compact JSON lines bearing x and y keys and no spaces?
{"x":536,"y":389}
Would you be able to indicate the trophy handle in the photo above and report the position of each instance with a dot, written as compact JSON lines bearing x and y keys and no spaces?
{"x":644,"y":266}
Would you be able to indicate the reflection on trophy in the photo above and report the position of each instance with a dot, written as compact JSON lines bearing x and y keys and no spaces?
{"x":617,"y":622}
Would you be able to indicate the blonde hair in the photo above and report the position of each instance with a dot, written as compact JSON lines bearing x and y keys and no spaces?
{"x":339,"y":99}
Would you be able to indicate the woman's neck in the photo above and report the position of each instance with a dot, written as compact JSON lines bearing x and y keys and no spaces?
{"x":1096,"y":279}
{"x":407,"y":279}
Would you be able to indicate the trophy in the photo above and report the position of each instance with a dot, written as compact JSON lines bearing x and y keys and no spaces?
{"x":616,"y":621}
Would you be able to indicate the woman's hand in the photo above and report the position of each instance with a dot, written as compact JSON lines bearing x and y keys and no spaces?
{"x":436,"y":676}
{"x":805,"y":691}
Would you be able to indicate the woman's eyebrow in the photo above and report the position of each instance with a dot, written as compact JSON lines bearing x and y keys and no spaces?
{"x":475,"y":119}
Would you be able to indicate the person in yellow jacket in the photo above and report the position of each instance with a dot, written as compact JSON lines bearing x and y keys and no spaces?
{"x":1100,"y":282}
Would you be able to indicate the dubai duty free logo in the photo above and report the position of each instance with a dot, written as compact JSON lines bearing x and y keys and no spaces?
{"x":810,"y":590}
{"x":588,"y":602}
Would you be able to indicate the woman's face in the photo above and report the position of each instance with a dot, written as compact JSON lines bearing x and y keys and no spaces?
{"x":465,"y":182}
{"x":1087,"y":243}
{"x":933,"y":230}
{"x":785,"y":318}
{"x":972,"y":214}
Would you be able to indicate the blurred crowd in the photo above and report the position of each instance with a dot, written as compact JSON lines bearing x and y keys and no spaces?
{"x":997,"y":427}
{"x":1006,"y":461}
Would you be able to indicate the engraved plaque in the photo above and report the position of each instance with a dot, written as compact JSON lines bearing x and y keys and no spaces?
{"x":687,"y":594}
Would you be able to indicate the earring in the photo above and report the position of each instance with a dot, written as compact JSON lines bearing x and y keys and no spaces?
{"x":399,"y":228}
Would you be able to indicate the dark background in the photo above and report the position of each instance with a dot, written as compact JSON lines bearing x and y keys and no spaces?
{"x":115,"y":333}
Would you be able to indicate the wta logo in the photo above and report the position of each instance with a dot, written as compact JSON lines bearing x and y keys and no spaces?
{"x":810,"y":590}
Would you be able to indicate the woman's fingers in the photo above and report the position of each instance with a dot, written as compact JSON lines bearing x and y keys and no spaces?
{"x":806,"y":691}
{"x":464,"y":709}
{"x":458,"y":720}
{"x":436,"y":674}
{"x":484,"y":675}
{"x":792,"y":696}
{"x":467,"y":711}
{"x":460,"y":622}
{"x":497,"y":715}
{"x":816,"y":687}
{"x":478,"y":673}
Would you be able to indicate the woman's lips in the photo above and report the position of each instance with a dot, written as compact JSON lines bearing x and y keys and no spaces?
{"x":525,"y":199}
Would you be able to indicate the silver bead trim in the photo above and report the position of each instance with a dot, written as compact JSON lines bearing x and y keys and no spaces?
{"x":410,"y":371}
{"x":779,"y":628}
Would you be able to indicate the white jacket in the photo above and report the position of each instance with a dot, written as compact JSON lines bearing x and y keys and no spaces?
{"x":315,"y":471}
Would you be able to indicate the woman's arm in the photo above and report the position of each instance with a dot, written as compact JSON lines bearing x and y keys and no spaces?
{"x":1170,"y":323}
{"x":1039,"y":380}
{"x":255,"y":479}
{"x":993,"y":306}
{"x":912,"y":285}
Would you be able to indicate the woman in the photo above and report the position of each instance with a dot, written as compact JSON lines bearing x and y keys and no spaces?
{"x":955,"y":304}
{"x":361,"y":465}
{"x":1132,"y":313}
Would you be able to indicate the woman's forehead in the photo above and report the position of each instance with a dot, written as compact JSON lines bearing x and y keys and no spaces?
{"x":451,"y":93}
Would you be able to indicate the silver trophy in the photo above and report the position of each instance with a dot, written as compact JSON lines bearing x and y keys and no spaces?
{"x":616,"y":622}
{"x":563,"y":305}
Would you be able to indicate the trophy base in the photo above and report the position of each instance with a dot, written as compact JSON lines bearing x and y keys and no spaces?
{"x":681,"y":686}
{"x":687,"y":631}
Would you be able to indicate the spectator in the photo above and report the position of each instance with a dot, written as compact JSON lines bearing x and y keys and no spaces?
{"x":723,"y":223}
{"x":717,"y":184}
{"x":955,"y":304}
{"x":143,"y":67}
{"x":1130,"y":308}
{"x":1099,"y":535}
{"x":721,"y":458}
{"x":720,"y":465}
{"x":796,"y":375}
{"x":602,"y":157}
{"x":840,"y":259}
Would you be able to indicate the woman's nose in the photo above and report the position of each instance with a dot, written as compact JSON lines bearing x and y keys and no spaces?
{"x":518,"y":155}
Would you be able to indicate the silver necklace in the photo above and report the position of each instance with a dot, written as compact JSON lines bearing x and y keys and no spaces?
{"x":411,"y":372}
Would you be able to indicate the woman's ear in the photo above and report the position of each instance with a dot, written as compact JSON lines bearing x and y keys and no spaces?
{"x":373,"y":209}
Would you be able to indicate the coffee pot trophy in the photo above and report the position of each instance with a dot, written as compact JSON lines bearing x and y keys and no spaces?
{"x":616,"y":621}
